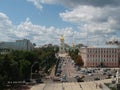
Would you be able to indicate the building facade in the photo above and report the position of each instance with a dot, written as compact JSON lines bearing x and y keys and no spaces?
{"x":106,"y":56}
{"x":18,"y":45}
{"x":62,"y":45}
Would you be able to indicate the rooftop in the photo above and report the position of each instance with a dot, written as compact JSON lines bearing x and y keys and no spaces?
{"x":104,"y":46}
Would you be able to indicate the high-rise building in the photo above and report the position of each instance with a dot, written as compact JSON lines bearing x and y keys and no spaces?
{"x":18,"y":45}
{"x":102,"y":56}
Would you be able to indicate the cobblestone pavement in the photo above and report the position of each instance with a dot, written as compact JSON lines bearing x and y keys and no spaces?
{"x":95,"y":85}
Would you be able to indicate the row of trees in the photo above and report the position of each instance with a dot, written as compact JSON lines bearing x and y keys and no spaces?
{"x":16,"y":66}
{"x":77,"y":58}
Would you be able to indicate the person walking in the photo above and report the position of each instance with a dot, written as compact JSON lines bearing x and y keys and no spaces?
{"x":96,"y":85}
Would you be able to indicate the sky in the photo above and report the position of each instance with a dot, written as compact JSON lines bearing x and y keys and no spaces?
{"x":44,"y":21}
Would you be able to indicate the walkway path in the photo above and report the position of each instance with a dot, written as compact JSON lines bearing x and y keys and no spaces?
{"x":52,"y":74}
{"x":73,"y":86}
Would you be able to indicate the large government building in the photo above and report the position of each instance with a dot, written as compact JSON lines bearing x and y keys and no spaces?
{"x":100,"y":56}
{"x":18,"y":45}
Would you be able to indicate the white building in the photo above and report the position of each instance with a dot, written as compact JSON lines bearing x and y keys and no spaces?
{"x":18,"y":45}
{"x":100,"y":56}
{"x":62,"y":46}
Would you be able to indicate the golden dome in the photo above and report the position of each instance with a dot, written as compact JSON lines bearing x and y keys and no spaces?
{"x":62,"y":38}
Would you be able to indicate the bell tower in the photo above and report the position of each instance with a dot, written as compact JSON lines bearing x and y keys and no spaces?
{"x":62,"y":47}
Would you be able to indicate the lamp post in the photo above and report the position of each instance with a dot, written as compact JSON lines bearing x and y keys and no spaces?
{"x":31,"y":70}
{"x":62,"y":86}
{"x":117,"y":77}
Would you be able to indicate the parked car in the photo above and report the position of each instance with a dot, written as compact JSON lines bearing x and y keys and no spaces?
{"x":90,"y":74}
{"x":96,"y":78}
{"x":57,"y":74}
{"x":79,"y":79}
{"x":56,"y":79}
{"x":63,"y":80}
{"x":39,"y":81}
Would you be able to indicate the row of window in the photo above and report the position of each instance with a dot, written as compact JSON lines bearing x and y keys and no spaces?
{"x":96,"y":64}
{"x":93,"y":51}
{"x":93,"y":55}
{"x":102,"y":51}
{"x":106,"y":60}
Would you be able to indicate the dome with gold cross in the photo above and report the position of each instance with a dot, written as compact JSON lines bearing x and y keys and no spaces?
{"x":61,"y":38}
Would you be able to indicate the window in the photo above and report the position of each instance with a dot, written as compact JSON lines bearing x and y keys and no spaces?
{"x":88,"y":55}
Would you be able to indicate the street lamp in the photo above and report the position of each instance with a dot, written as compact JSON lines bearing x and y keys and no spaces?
{"x":117,"y":77}
{"x":63,"y":86}
{"x":31,"y":70}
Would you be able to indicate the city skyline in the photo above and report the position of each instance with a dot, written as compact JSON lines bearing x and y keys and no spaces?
{"x":43,"y":21}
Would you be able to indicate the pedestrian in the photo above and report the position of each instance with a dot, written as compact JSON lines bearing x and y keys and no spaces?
{"x":100,"y":85}
{"x":63,"y":88}
{"x":96,"y":85}
{"x":80,"y":86}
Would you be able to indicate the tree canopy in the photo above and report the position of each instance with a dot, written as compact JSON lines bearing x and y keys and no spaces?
{"x":16,"y":66}
{"x":77,"y":58}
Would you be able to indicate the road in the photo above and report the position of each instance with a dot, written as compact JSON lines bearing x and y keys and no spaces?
{"x":68,"y":69}
{"x":73,"y":86}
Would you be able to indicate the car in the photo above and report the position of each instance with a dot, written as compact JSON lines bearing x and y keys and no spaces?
{"x":89,"y":71}
{"x":59,"y":71}
{"x":107,"y":77}
{"x":82,"y":76}
{"x":64,"y":75}
{"x":39,"y":81}
{"x":75,"y":75}
{"x":28,"y":80}
{"x":96,"y":78}
{"x":113,"y":81}
{"x":57,"y":74}
{"x":63,"y":80}
{"x":104,"y":73}
{"x":79,"y":79}
{"x":90,"y":74}
{"x":56,"y":79}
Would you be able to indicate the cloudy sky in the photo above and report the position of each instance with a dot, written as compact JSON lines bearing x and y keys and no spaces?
{"x":43,"y":21}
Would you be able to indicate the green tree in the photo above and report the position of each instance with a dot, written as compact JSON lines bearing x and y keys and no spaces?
{"x":79,"y":61}
{"x":24,"y":69}
{"x":17,"y":65}
{"x":13,"y":71}
{"x":77,"y":58}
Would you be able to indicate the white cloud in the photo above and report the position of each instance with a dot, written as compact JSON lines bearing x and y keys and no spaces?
{"x":49,"y":1}
{"x":36,"y":33}
{"x":75,"y":3}
{"x":96,"y":21}
{"x":99,"y":18}
{"x":5,"y":27}
{"x":36,"y":3}
{"x":42,"y":34}
{"x":99,"y":22}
